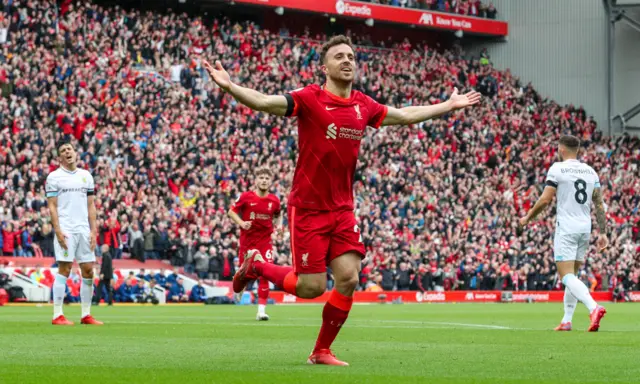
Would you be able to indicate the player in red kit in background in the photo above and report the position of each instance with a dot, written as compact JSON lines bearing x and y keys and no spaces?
{"x":332,"y":118}
{"x":255,"y":212}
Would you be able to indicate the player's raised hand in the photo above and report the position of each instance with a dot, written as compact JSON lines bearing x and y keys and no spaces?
{"x":603,"y":242}
{"x":245,"y":225}
{"x":62,"y":239}
{"x":458,"y":101}
{"x":523,"y":222}
{"x":218,"y":74}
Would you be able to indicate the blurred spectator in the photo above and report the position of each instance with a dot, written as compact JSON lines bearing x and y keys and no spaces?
{"x":198,"y":295}
{"x":403,"y":277}
{"x":177,"y":293}
{"x":10,"y":239}
{"x":216,"y":263}
{"x":151,"y":236}
{"x":172,"y":278}
{"x":106,"y":275}
{"x":188,"y":252}
{"x":201,"y":259}
{"x":142,"y":275}
{"x":162,"y":279}
{"x":125,"y":292}
{"x":141,"y":291}
{"x":136,"y":242}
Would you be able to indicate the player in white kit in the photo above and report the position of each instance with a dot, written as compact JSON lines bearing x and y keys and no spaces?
{"x":575,"y":185}
{"x":70,"y":194}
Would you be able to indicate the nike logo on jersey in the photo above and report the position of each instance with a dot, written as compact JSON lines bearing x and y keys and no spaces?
{"x":252,"y":204}
{"x":331,"y":109}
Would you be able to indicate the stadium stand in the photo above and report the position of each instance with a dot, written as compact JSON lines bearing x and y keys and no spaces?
{"x":437,"y":202}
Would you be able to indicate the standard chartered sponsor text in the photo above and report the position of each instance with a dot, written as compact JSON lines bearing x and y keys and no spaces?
{"x":348,"y":133}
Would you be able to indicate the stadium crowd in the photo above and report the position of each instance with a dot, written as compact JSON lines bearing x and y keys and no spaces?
{"x":462,"y":7}
{"x":438,"y":202}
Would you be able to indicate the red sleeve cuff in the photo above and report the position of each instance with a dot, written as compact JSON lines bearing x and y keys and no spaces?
{"x":378,"y":122}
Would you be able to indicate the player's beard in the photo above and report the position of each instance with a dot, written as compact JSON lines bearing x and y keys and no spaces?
{"x":343,"y":79}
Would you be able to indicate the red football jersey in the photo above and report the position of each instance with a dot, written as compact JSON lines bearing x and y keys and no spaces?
{"x":330,"y":129}
{"x":260,"y":211}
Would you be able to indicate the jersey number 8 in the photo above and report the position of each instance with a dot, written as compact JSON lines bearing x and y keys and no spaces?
{"x":581,"y":191}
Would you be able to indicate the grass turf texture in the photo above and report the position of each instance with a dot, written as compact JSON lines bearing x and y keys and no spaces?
{"x":424,"y":343}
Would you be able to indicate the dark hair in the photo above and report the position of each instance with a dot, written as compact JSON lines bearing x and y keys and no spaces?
{"x":61,"y":142}
{"x":571,"y":142}
{"x":264,"y":170}
{"x":335,"y":40}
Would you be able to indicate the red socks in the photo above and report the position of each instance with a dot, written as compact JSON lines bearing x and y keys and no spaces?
{"x":263,"y":291}
{"x":282,"y":276}
{"x":335,"y":313}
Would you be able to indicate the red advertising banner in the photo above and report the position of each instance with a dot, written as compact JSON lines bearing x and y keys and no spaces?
{"x":634,"y":296}
{"x":417,"y":17}
{"x":444,"y":297}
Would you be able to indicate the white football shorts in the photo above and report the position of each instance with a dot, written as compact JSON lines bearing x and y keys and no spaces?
{"x":77,"y":248}
{"x":570,"y":246}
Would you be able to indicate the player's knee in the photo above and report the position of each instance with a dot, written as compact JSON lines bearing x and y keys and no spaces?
{"x":87,"y":272}
{"x":311,"y":288}
{"x":64,"y":269}
{"x":348,"y":281}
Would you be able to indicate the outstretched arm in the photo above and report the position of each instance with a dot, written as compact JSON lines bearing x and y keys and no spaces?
{"x":542,"y":203}
{"x":417,"y":114}
{"x":601,"y":218}
{"x":273,"y":104}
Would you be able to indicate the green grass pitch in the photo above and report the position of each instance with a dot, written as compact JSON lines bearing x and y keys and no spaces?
{"x":396,"y":344}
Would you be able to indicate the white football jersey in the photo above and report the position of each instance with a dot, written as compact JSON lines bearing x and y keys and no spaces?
{"x":574,"y":182}
{"x":72,"y":189}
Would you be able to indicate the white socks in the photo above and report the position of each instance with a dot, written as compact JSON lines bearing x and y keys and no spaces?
{"x":86,"y":294}
{"x":579,"y":290}
{"x":261,"y":309}
{"x":570,"y":302}
{"x":59,"y":286}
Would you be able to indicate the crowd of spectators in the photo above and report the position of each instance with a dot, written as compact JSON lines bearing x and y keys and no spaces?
{"x":475,"y":8}
{"x":437,"y":202}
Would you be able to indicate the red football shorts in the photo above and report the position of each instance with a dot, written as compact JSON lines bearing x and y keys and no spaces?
{"x":317,"y":237}
{"x":265,"y":251}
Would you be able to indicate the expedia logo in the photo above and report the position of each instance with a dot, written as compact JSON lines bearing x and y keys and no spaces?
{"x":430,"y":296}
{"x":344,"y":8}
